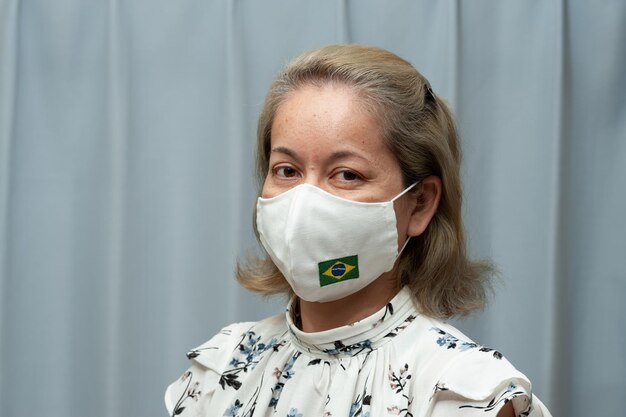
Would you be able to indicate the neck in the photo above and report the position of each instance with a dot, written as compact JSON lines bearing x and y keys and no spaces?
{"x":317,"y":317}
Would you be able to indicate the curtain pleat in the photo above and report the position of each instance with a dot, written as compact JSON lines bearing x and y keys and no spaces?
{"x":9,"y":15}
{"x":455,"y":63}
{"x":118,"y":113}
{"x":557,"y":323}
{"x":343,"y":22}
{"x":236,"y":109}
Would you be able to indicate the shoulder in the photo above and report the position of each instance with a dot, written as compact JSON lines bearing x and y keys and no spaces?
{"x":462,"y":377}
{"x":192,"y":391}
{"x":217,"y":351}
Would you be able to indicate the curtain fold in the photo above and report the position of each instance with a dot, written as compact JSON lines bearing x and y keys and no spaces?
{"x":127,"y":135}
{"x":561,"y":356}
{"x":116,"y":140}
{"x":9,"y":12}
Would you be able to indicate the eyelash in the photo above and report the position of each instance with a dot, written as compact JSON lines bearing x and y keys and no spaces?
{"x":357,"y":177}
{"x":277,"y":172}
{"x":277,"y":169}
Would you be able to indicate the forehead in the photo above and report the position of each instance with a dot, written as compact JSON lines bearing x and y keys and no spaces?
{"x":350,"y":97}
{"x":330,"y":115}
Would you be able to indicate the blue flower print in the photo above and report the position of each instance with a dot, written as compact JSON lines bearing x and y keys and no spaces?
{"x":355,"y":408}
{"x":286,"y":373}
{"x":233,"y":409}
{"x":351,"y":350}
{"x":361,"y":404}
{"x":251,"y":347}
{"x":443,"y":341}
{"x":294,"y":413}
{"x":512,"y":387}
{"x":248,"y":354}
{"x":451,"y":342}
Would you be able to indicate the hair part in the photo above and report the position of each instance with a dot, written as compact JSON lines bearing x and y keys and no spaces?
{"x":418,"y":128}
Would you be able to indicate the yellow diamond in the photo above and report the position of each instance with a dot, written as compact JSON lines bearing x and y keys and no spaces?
{"x":338,"y":270}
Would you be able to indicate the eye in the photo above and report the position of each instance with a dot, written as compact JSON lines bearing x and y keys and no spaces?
{"x":285,"y":171}
{"x":348,"y":176}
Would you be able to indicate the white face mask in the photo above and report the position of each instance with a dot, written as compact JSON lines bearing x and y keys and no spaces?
{"x":328,"y":247}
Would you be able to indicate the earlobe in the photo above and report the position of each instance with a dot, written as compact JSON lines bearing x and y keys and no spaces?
{"x":425,"y":206}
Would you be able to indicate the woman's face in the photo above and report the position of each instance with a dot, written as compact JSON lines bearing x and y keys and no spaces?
{"x":323,"y":136}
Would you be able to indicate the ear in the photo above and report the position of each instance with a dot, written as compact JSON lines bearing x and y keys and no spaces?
{"x":426,"y":205}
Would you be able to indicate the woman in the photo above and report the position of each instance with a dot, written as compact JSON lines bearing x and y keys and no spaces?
{"x":360,"y":215}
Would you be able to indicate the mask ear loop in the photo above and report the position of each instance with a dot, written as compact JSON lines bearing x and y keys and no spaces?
{"x":404,"y":192}
{"x":406,"y":242}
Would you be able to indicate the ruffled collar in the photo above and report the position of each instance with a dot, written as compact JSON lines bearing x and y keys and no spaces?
{"x":357,"y":338}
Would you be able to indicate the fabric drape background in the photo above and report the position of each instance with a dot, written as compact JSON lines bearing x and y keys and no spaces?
{"x":126,"y":182}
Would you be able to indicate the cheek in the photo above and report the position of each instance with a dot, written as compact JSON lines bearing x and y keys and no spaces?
{"x":403,"y":214}
{"x":269,"y":190}
{"x":265,"y":193}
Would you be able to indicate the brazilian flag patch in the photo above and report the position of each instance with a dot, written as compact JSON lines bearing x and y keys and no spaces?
{"x":337,"y":270}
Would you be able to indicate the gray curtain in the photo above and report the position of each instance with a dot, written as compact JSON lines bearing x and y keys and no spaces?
{"x":126,"y":182}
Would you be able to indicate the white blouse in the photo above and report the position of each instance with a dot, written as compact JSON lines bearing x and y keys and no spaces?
{"x":395,"y":362}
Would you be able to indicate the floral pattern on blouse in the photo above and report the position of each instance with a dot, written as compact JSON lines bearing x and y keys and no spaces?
{"x":282,"y":376}
{"x":361,"y":404}
{"x":246,"y":358}
{"x":398,"y":382}
{"x":512,"y":391}
{"x":191,"y":391}
{"x":451,"y":342}
{"x":379,"y":366}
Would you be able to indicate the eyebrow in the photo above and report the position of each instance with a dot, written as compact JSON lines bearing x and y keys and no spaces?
{"x":286,"y":151}
{"x":333,"y":157}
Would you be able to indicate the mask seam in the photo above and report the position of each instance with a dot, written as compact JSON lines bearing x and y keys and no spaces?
{"x":289,"y":231}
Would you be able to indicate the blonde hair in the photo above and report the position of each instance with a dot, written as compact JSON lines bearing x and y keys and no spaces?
{"x":419,"y":129}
